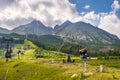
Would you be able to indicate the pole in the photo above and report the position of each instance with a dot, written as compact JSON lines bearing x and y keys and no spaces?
{"x":7,"y":51}
{"x":18,"y":56}
{"x":26,"y":34}
{"x":7,"y":46}
{"x":6,"y":74}
{"x":85,"y":68}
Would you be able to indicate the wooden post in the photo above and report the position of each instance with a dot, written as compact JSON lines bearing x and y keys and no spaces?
{"x":101,"y":68}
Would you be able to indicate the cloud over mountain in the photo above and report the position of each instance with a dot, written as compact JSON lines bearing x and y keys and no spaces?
{"x":51,"y":12}
{"x":110,"y":21}
{"x":48,"y":12}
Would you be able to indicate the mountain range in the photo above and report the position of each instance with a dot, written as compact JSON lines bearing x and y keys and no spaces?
{"x":4,"y":31}
{"x":79,"y":32}
{"x":35,"y":27}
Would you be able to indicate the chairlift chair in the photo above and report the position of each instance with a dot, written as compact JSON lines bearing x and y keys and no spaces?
{"x":83,"y":53}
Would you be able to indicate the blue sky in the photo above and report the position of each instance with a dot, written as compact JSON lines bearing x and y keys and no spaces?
{"x":104,"y":14}
{"x":95,"y":5}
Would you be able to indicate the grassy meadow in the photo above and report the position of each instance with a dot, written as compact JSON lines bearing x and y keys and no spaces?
{"x":51,"y":66}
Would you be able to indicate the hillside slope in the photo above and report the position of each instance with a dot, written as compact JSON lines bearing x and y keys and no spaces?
{"x":86,"y":33}
{"x":35,"y":27}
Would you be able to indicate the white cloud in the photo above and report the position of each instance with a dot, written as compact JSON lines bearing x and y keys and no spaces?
{"x":82,"y":13}
{"x":115,"y":6}
{"x":86,"y":7}
{"x":91,"y":18}
{"x":110,"y":21}
{"x":47,"y":11}
{"x":52,"y":12}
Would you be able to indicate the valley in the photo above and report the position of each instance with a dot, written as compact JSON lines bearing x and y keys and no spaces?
{"x":41,"y":53}
{"x":39,"y":64}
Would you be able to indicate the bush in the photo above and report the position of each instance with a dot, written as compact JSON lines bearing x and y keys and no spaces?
{"x":111,"y":57}
{"x":100,"y":57}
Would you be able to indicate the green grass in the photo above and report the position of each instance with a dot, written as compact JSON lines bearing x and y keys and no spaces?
{"x":30,"y":68}
{"x":1,"y":53}
{"x":109,"y":63}
{"x":44,"y":69}
{"x":27,"y":71}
